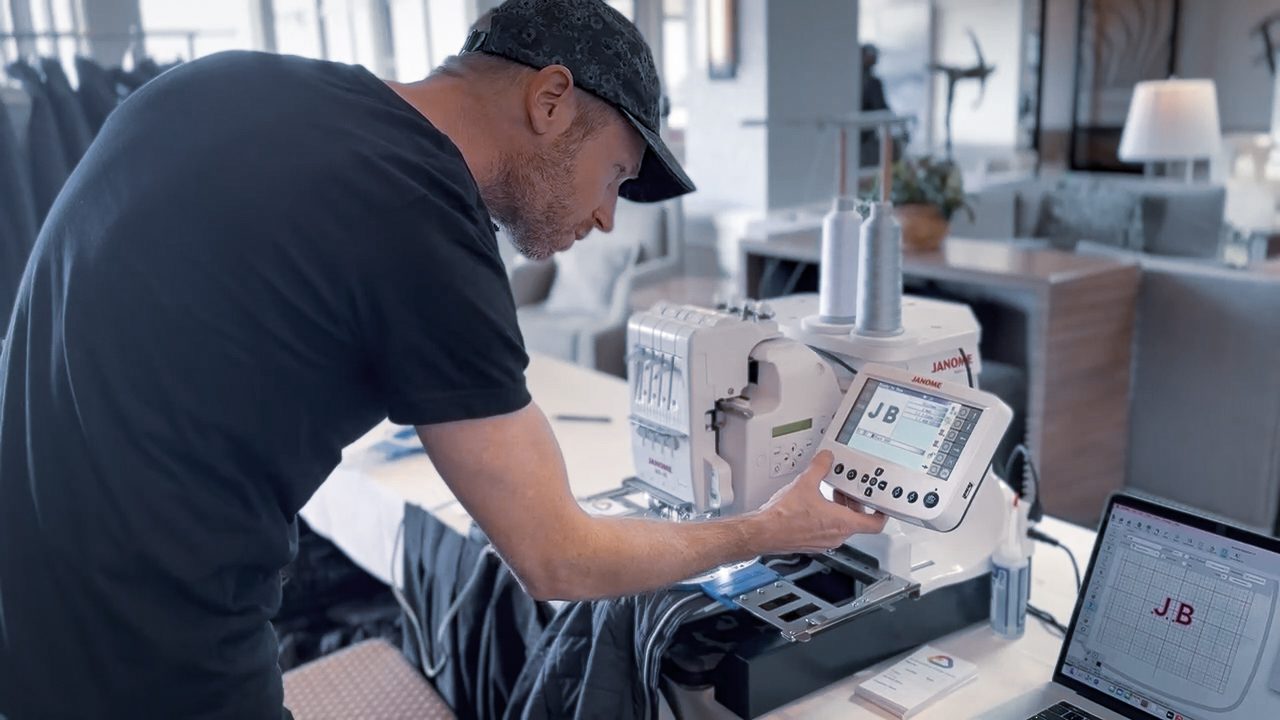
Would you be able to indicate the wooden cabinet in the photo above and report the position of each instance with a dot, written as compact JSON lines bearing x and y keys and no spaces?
{"x":1076,"y":346}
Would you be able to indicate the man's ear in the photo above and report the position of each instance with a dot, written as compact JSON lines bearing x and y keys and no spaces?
{"x":550,"y":101}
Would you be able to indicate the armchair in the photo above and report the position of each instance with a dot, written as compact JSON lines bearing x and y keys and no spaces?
{"x":575,"y":306}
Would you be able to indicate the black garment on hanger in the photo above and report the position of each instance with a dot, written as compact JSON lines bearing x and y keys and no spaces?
{"x":97,"y":92}
{"x":17,"y":216}
{"x":47,"y":157}
{"x":74,"y":129}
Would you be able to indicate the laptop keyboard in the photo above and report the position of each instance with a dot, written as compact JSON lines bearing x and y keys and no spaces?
{"x":1064,"y":711}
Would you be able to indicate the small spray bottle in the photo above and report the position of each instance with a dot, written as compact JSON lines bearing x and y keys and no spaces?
{"x":1011,"y":576}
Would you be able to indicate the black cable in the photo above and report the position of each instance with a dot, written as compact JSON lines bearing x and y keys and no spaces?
{"x":1049,"y":620}
{"x":835,"y":359}
{"x":1038,"y":535}
{"x":968,"y":370}
{"x":1037,"y":511}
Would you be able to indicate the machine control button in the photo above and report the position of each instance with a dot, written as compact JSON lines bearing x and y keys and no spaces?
{"x":853,"y":475}
{"x":879,"y":472}
{"x":867,"y":478}
{"x":930,"y":499}
{"x":777,"y":469}
{"x":912,"y":496}
{"x":793,"y":465}
{"x":867,"y":492}
{"x":883,"y":484}
{"x":964,"y":412}
{"x":946,"y":473}
{"x":838,"y":469}
{"x":897,"y":492}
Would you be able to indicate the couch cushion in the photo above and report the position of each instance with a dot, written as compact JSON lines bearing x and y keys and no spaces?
{"x":548,"y":331}
{"x":1085,"y":208}
{"x":1184,"y":221}
{"x":586,"y":274}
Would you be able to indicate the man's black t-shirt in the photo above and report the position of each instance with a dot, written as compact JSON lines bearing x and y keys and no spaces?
{"x":259,"y":258}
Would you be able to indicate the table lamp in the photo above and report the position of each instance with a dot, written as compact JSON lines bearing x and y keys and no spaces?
{"x":1172,"y":120}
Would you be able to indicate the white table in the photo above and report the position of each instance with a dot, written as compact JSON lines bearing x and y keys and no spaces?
{"x":361,"y":505}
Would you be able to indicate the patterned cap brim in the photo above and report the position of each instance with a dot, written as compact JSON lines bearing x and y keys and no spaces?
{"x":660,"y":177}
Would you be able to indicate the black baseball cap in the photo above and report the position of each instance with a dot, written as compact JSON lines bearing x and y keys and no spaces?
{"x":608,"y":58}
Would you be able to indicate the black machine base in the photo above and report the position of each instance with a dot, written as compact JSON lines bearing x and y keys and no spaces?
{"x":754,"y":670}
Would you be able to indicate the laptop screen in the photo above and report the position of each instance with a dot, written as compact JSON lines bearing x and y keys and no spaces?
{"x":1177,"y":618}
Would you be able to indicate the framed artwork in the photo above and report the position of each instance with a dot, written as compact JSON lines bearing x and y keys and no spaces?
{"x":722,"y":39}
{"x":1119,"y":43}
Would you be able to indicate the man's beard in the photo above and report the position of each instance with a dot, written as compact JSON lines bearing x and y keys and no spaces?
{"x":530,"y":197}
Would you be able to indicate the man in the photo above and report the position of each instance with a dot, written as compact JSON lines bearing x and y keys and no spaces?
{"x":259,"y":259}
{"x":873,"y":99}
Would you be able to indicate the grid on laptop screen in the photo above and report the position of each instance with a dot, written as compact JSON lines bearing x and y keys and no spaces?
{"x":1178,"y":622}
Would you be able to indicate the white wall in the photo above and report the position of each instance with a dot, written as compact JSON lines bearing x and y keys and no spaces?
{"x":1059,"y":75}
{"x":728,"y":162}
{"x":814,"y":70}
{"x":1215,"y":41}
{"x":795,"y":59}
{"x":998,"y":25}
{"x":110,"y":17}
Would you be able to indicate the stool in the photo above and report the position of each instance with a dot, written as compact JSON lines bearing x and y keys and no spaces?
{"x":370,"y":679}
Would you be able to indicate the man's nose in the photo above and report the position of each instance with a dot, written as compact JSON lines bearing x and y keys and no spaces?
{"x":604,"y":215}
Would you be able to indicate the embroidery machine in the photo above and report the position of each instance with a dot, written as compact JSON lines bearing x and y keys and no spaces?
{"x":730,"y":404}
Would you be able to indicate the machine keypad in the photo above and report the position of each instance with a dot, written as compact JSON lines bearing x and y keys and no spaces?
{"x":838,"y":469}
{"x":883,"y":484}
{"x":867,"y":492}
{"x":879,"y":472}
{"x":912,"y":496}
{"x":930,"y":499}
{"x":897,"y":492}
{"x":852,"y":475}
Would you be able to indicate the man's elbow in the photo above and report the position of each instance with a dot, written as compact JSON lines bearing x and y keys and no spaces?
{"x":562,"y":567}
{"x":551,"y":578}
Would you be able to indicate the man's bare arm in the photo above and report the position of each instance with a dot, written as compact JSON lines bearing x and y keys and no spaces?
{"x":508,"y":473}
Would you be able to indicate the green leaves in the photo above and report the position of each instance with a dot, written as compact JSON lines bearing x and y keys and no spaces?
{"x":928,"y":181}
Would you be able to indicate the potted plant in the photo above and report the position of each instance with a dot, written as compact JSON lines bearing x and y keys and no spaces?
{"x":926,"y":193}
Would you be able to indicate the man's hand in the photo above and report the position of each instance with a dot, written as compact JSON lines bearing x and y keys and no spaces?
{"x":508,"y":473}
{"x":799,"y":519}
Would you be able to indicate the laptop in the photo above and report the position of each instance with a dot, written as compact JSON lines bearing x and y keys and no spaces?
{"x":1177,"y":620}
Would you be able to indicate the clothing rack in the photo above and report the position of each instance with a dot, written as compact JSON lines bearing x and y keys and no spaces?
{"x":134,"y":35}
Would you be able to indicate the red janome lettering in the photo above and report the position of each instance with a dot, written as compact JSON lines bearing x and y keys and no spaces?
{"x":952,"y":363}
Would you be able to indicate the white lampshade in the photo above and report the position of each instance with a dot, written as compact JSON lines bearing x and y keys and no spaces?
{"x":1171,"y":120}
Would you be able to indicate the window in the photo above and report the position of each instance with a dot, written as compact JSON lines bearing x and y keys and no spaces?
{"x":675,"y":60}
{"x":50,"y":16}
{"x":409,"y":34}
{"x":626,"y":7}
{"x":187,"y":29}
{"x":298,"y":28}
{"x":8,"y":48}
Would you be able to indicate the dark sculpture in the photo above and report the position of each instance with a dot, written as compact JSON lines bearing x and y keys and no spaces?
{"x":980,"y":72}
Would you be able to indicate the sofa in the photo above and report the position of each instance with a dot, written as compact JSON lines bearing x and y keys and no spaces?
{"x":575,"y":305}
{"x":1205,"y":392}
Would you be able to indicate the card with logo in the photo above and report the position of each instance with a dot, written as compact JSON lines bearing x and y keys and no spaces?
{"x":912,"y":684}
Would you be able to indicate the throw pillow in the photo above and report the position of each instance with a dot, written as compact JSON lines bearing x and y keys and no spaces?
{"x":587,"y":273}
{"x":1086,"y":209}
{"x":1184,"y":221}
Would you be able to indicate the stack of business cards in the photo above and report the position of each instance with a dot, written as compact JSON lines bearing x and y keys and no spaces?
{"x":912,"y":684}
